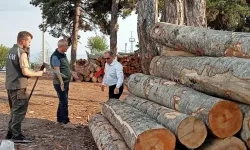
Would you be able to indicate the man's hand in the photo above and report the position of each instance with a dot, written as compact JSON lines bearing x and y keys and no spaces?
{"x":102,"y":88}
{"x":62,"y":86}
{"x":39,"y":73}
{"x":116,"y":91}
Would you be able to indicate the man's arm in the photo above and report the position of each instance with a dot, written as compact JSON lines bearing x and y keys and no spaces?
{"x":120,"y":76}
{"x":24,"y":64}
{"x":56,"y":65}
{"x":104,"y":81}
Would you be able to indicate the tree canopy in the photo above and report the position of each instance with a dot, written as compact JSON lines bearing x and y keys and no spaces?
{"x":232,"y":15}
{"x":3,"y":55}
{"x":97,"y":44}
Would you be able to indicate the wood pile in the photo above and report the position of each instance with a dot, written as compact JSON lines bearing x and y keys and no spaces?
{"x":92,"y":70}
{"x":89,"y":71}
{"x":193,"y":92}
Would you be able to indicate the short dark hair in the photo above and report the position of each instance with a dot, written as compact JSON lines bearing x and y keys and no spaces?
{"x":23,"y":35}
{"x":110,"y":53}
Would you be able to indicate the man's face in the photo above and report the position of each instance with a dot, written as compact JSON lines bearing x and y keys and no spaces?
{"x":108,"y":58}
{"x":26,"y":42}
{"x":65,"y":48}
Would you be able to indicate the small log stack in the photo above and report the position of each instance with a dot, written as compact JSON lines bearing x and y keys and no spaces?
{"x":203,"y":101}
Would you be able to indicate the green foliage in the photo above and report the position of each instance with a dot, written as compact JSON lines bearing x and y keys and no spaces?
{"x":232,"y":15}
{"x":3,"y":55}
{"x":97,"y":44}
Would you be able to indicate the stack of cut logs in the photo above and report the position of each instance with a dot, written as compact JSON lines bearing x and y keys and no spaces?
{"x":197,"y":95}
{"x":89,"y":70}
{"x":131,"y":64}
{"x":93,"y":68}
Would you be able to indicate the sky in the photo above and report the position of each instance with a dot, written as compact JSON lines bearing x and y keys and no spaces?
{"x":19,"y":15}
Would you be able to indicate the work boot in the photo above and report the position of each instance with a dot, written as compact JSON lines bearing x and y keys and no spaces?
{"x":21,"y":139}
{"x":9,"y":135}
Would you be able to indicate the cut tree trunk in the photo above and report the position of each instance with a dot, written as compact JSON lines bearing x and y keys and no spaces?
{"x":166,"y":52}
{"x":223,"y":118}
{"x":147,"y":17}
{"x":75,"y":35}
{"x":195,"y":13}
{"x":227,"y":77}
{"x":138,"y":130}
{"x":189,"y":130}
{"x":202,"y":41}
{"x":245,"y":130}
{"x":230,"y":143}
{"x":174,"y":11}
{"x":114,"y":27}
{"x":105,"y":135}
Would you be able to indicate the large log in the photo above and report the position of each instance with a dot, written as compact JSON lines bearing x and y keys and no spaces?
{"x":105,"y":135}
{"x":189,"y":130}
{"x":202,"y":41}
{"x":223,"y":118}
{"x":245,"y":130}
{"x":138,"y":130}
{"x":225,"y":77}
{"x":230,"y":143}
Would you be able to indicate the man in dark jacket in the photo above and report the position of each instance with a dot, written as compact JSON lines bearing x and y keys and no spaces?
{"x":17,"y":73}
{"x":60,"y":63}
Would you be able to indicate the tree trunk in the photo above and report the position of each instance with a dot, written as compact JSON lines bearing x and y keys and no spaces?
{"x":75,"y":35}
{"x":105,"y":135}
{"x":202,"y":41}
{"x":222,"y":117}
{"x":138,"y":130}
{"x":245,"y":130}
{"x":189,"y":130}
{"x":230,"y":143}
{"x":147,"y":17}
{"x":174,"y":11}
{"x":114,"y":27}
{"x":227,"y":77}
{"x":195,"y":13}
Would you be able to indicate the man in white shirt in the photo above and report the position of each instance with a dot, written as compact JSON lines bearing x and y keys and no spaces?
{"x":113,"y":76}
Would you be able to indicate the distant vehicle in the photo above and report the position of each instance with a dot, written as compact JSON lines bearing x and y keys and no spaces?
{"x":3,"y":69}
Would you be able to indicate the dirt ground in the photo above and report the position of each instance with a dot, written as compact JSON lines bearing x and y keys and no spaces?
{"x":85,"y":99}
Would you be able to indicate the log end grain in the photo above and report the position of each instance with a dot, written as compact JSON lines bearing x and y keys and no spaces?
{"x":230,"y":143}
{"x":225,"y":119}
{"x":160,"y":139}
{"x":192,"y":132}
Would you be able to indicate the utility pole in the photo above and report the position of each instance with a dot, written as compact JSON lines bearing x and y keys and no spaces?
{"x":43,"y":44}
{"x":131,"y":40}
{"x":126,"y":47}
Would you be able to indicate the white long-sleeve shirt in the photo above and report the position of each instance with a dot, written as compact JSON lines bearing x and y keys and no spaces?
{"x":113,"y":74}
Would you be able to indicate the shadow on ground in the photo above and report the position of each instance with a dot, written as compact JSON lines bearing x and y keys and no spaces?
{"x":47,"y":135}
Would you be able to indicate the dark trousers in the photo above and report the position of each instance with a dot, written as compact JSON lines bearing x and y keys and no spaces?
{"x":18,"y":102}
{"x":111,"y":92}
{"x":62,"y":111}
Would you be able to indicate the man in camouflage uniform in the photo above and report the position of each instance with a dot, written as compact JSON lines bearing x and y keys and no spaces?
{"x":17,"y":74}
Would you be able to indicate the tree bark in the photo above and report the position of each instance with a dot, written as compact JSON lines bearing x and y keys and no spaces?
{"x":147,"y":17}
{"x":230,"y":143}
{"x":195,"y":13}
{"x":202,"y":41}
{"x":245,"y":130}
{"x":114,"y":27}
{"x":75,"y":35}
{"x":222,"y":117}
{"x":174,"y":11}
{"x":227,"y":77}
{"x":138,"y":130}
{"x":105,"y":135}
{"x":189,"y":130}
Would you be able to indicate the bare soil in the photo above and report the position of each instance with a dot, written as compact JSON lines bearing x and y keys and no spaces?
{"x":85,"y":100}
